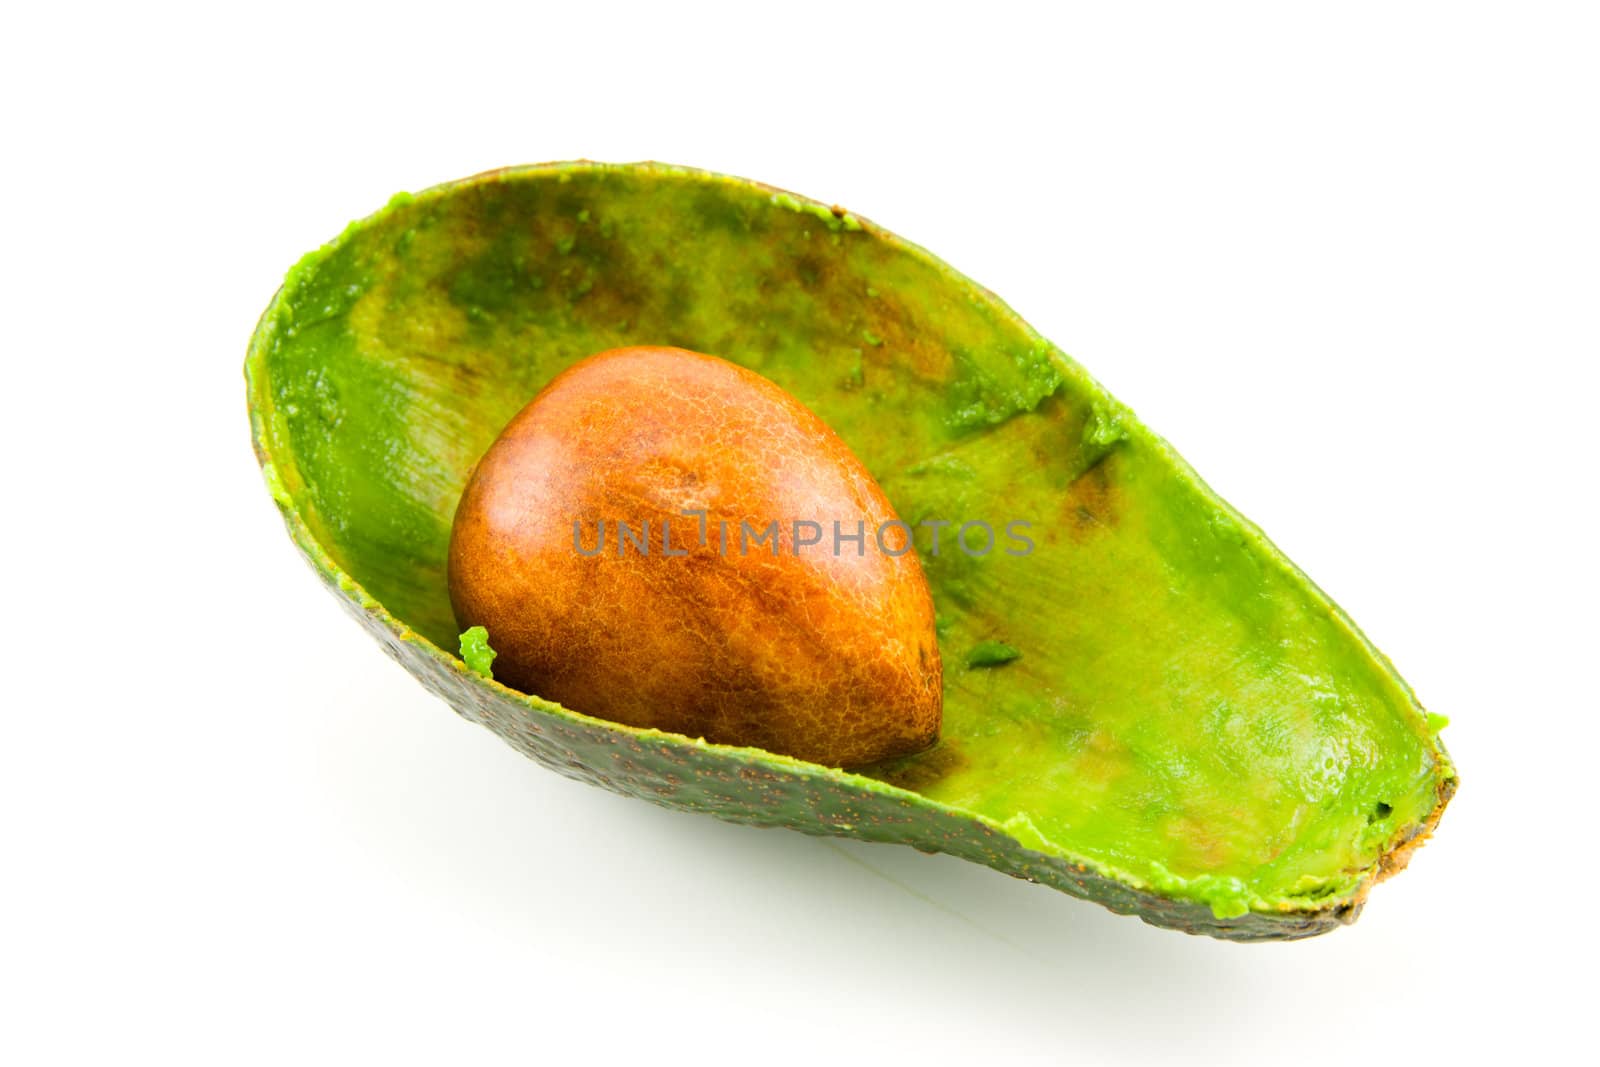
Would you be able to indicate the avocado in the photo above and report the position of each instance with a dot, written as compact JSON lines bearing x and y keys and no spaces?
{"x":1145,"y":703}
{"x":663,"y":538}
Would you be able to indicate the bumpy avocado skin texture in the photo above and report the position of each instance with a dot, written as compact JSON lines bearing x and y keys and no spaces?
{"x":1189,"y":729}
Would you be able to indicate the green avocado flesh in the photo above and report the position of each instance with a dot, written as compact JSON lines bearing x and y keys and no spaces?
{"x":1152,"y":708}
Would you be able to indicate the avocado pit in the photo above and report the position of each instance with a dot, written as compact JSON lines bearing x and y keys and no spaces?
{"x":664,"y":539}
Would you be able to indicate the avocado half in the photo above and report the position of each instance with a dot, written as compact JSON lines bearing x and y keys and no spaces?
{"x":1152,"y":708}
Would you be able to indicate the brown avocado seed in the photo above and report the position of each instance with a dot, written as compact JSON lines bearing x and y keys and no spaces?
{"x":665,"y":539}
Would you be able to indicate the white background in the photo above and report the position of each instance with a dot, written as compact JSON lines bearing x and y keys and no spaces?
{"x":1347,"y":261}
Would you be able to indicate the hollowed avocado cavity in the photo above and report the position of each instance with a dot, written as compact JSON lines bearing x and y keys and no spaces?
{"x":1149,"y":706}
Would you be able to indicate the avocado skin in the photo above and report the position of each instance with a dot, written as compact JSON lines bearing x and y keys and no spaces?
{"x":743,"y":785}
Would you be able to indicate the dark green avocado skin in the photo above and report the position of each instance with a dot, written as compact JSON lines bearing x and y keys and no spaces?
{"x":1182,"y":728}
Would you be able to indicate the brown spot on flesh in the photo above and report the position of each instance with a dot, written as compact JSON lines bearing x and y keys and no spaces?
{"x":1090,"y":504}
